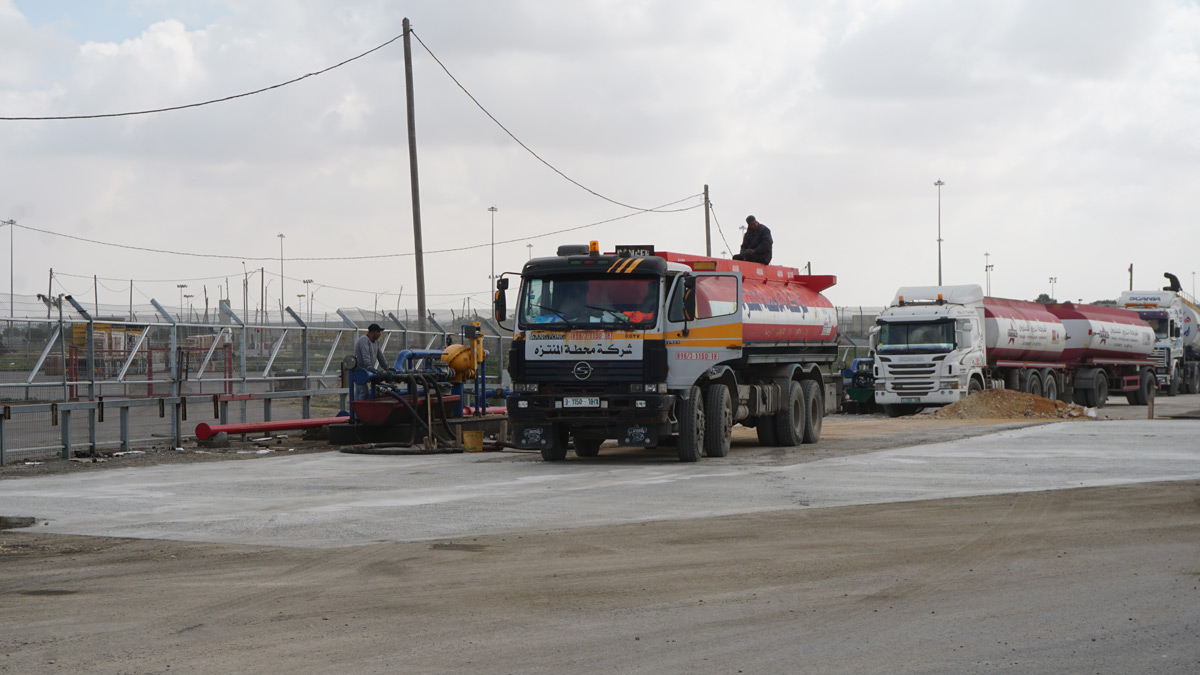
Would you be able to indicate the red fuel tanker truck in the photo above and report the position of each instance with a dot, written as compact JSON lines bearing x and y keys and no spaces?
{"x":934,"y":345}
{"x":652,"y":348}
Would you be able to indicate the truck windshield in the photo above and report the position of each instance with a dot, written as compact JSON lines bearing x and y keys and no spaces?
{"x":916,"y":338}
{"x":574,"y":301}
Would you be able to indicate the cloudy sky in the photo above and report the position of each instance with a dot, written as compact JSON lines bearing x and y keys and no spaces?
{"x":1066,"y":133}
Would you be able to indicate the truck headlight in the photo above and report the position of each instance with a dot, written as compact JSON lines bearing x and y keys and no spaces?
{"x":525,"y":387}
{"x":652,"y":388}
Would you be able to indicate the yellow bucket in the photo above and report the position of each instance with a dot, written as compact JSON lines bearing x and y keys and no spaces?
{"x":473,"y":441}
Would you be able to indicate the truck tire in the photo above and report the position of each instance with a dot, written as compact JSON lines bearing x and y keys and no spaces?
{"x":1031,"y":382}
{"x":974,"y":386}
{"x":1141,"y":396}
{"x":1049,"y":384}
{"x":588,"y":446}
{"x":766,"y":432}
{"x":789,"y":422}
{"x":814,"y":407}
{"x":894,"y":410}
{"x":718,"y":421}
{"x":1100,"y":390}
{"x":691,"y":426}
{"x":1193,"y":380}
{"x":557,"y":451}
{"x":1173,"y":386}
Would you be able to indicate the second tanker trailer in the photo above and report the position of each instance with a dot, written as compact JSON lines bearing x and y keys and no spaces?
{"x":935,"y":345}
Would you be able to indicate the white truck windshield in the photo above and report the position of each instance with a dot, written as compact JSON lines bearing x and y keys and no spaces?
{"x":916,"y":338}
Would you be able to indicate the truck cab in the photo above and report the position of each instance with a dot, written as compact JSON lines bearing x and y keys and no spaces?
{"x":929,"y":348}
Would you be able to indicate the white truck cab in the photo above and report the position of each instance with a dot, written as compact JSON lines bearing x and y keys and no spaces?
{"x":929,"y":347}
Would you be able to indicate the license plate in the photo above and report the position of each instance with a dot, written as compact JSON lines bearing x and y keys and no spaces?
{"x":910,"y":399}
{"x":581,"y":402}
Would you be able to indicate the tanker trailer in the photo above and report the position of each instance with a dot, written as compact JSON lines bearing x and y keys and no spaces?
{"x":652,"y":348}
{"x":935,"y":345}
{"x":1107,"y":351}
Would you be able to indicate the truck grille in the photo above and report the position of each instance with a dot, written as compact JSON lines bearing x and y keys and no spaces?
{"x":912,"y":377}
{"x":1162,"y":358}
{"x":561,"y":376}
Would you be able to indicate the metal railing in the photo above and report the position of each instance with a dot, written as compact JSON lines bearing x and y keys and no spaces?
{"x":53,"y":371}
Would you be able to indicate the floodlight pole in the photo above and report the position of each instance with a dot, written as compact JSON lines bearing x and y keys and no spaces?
{"x":939,"y":185}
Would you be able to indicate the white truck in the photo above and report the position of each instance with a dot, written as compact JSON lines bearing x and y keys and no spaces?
{"x":935,"y":345}
{"x":1176,"y":323}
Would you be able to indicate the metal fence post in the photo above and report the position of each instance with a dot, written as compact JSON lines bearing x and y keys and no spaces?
{"x":65,"y":424}
{"x":124,"y":428}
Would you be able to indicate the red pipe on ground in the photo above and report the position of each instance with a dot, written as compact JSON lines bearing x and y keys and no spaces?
{"x":205,"y":431}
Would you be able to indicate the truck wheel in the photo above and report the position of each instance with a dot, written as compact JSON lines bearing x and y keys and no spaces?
{"x":894,"y":410}
{"x":1032,"y":384}
{"x":557,"y":451}
{"x":789,"y":422}
{"x":588,"y":446}
{"x":814,"y":407}
{"x":1100,"y":389}
{"x":974,"y":386}
{"x":1049,"y":385}
{"x":766,"y":432}
{"x":718,"y":421}
{"x":1145,"y":389}
{"x":691,"y":426}
{"x":1193,"y":380}
{"x":1173,"y":387}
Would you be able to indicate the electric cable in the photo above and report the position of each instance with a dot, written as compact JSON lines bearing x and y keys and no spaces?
{"x":340,"y":258}
{"x":526,"y":147}
{"x":721,"y":232}
{"x":204,"y":103}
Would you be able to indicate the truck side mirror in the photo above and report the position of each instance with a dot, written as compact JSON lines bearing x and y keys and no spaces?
{"x":689,"y":299}
{"x":500,"y":301}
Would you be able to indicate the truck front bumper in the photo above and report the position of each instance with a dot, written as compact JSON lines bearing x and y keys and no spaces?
{"x":931,"y":398}
{"x":633,"y":419}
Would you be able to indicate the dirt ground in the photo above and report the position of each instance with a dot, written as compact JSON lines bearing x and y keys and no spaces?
{"x":1086,"y":580}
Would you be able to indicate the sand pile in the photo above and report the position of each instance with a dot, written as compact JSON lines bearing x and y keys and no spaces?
{"x":1009,"y":405}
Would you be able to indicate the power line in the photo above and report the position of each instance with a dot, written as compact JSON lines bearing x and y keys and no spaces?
{"x":719,"y":230}
{"x":527,"y":148}
{"x":203,"y":103}
{"x":344,"y":258}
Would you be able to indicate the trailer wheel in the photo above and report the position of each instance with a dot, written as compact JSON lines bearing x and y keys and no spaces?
{"x":1145,"y":389}
{"x":1031,"y":382}
{"x":691,"y":426}
{"x":588,"y":446}
{"x":1100,"y":389}
{"x":766,"y":432}
{"x":814,"y":411}
{"x":557,"y":450}
{"x":718,"y":418}
{"x":1049,"y":385}
{"x":789,"y":422}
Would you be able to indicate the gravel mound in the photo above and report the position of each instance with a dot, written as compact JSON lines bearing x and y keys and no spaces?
{"x":1009,"y":405}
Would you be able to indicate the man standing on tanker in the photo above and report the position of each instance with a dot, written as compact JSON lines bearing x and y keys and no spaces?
{"x":756,"y":244}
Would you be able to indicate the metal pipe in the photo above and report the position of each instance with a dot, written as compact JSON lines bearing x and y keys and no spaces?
{"x":205,"y":431}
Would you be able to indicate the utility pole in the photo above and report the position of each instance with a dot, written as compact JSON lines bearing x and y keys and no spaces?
{"x":987,"y":271}
{"x":12,"y":225}
{"x":707,"y":230}
{"x":939,"y":185}
{"x":1131,"y":276}
{"x":492,"y":279}
{"x":418,"y":250}
{"x":281,"y":295}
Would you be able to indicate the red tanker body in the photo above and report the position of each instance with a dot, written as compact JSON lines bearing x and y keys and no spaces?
{"x":1021,"y":331}
{"x":780,"y":306}
{"x":1097,"y":332}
